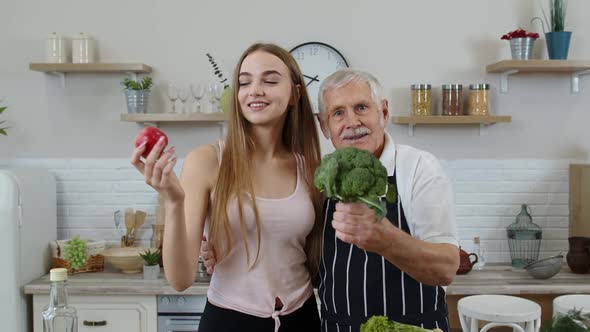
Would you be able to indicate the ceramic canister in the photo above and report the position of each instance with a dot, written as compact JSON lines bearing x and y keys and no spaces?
{"x":55,"y":49}
{"x":82,"y":49}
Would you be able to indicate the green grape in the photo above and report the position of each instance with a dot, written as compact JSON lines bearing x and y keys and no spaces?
{"x":75,"y":252}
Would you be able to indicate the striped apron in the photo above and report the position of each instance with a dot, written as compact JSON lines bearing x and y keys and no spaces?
{"x":356,"y":284}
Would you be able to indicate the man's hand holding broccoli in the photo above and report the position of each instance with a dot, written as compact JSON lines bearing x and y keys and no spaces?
{"x":358,"y":180}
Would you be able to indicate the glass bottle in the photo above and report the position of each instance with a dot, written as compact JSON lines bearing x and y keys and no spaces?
{"x":524,"y":239}
{"x":481,"y":252}
{"x":58,"y":316}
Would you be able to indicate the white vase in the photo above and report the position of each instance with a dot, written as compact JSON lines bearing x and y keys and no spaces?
{"x":151,"y":272}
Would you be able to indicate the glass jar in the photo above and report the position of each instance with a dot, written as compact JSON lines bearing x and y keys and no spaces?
{"x":421,"y":99}
{"x":479,"y":102}
{"x":452,"y":99}
{"x":524,"y":239}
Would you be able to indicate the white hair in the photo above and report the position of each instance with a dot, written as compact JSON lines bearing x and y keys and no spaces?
{"x":344,"y":76}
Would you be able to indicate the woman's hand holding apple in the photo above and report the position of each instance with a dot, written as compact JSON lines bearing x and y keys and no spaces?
{"x":158,"y":166}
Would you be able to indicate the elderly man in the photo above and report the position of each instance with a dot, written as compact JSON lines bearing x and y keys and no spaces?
{"x":395,"y":266}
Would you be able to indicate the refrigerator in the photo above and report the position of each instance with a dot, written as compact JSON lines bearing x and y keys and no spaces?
{"x":28,"y":223}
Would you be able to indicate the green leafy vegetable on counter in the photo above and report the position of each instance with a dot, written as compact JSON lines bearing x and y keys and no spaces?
{"x":354,"y":175}
{"x":383,"y":324}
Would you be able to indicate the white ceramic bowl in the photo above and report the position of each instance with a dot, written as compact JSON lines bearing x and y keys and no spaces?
{"x":125,"y":259}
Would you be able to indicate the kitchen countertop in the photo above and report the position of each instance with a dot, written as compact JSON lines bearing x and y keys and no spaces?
{"x":504,"y":279}
{"x":115,"y":283}
{"x":493,"y":279}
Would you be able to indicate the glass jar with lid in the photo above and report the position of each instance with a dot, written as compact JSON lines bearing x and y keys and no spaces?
{"x":479,"y":102}
{"x":421,"y":99}
{"x":452,"y":99}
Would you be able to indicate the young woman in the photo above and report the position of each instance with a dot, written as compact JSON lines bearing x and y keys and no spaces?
{"x":253,"y":195}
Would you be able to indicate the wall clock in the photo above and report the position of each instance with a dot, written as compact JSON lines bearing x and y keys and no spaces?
{"x":317,"y":61}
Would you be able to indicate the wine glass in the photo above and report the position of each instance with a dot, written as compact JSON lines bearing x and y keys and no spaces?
{"x":218,"y":92}
{"x":211,"y":98}
{"x":172,"y":95}
{"x":183,"y":96}
{"x":198,"y":91}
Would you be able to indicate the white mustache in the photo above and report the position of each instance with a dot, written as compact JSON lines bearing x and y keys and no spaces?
{"x":349,"y":133}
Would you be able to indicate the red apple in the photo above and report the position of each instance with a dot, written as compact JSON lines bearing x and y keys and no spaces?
{"x":151,"y":135}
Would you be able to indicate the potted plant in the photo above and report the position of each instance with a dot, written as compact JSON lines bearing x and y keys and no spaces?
{"x":151,"y":268}
{"x":521,"y":43}
{"x":3,"y":129}
{"x":225,"y":99}
{"x":137,"y":94}
{"x":573,"y":321}
{"x":558,"y":40}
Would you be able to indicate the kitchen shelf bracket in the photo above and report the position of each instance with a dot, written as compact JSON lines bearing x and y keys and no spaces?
{"x":411,"y":129}
{"x":61,"y":77}
{"x":483,"y":129}
{"x":132,"y":75}
{"x":576,"y":80}
{"x":504,"y":79}
{"x":222,"y":129}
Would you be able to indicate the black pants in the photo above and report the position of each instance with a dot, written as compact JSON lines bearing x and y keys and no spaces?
{"x":216,"y":319}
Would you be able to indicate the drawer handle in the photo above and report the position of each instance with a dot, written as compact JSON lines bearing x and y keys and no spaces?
{"x":95,"y":323}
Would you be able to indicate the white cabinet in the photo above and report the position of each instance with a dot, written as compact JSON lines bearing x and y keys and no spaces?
{"x":102,"y":313}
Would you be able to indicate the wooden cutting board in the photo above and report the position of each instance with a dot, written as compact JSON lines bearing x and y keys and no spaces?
{"x":579,"y":200}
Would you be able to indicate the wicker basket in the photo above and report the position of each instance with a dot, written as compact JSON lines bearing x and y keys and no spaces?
{"x":95,"y":262}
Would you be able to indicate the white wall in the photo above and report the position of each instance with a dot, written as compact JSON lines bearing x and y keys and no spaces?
{"x":401,"y":42}
{"x":488,"y":194}
{"x":76,"y":132}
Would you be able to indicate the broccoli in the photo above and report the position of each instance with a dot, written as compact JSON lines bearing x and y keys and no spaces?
{"x":354,"y":175}
{"x":383,"y":324}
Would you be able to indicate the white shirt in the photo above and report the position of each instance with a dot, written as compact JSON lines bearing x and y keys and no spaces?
{"x":425,"y":190}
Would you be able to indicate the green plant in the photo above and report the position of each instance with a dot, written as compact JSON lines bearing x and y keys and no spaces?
{"x":573,"y":321}
{"x":75,"y":252}
{"x":557,"y":11}
{"x":217,"y":71}
{"x":144,"y":84}
{"x":3,"y":129}
{"x":354,"y":175}
{"x":383,"y":324}
{"x":151,"y":257}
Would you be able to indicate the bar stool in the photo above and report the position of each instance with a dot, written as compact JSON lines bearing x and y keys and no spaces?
{"x":563,"y":304}
{"x":499,"y":310}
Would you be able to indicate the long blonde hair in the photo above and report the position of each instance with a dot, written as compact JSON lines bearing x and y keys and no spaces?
{"x":235,"y":172}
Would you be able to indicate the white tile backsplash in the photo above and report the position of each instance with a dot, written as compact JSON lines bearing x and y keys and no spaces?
{"x":488,"y":197}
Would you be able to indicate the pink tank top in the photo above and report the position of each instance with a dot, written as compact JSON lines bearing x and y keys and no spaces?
{"x":280,"y":270}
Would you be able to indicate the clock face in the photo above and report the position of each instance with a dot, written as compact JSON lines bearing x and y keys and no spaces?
{"x":317,"y":61}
